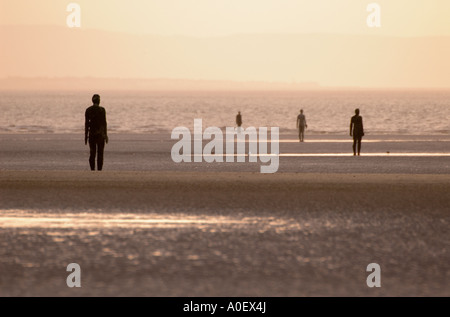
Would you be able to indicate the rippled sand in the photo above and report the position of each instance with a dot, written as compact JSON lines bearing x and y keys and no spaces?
{"x":178,"y":233}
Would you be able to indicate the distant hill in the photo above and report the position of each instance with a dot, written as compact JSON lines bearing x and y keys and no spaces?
{"x":253,"y":59}
{"x":88,"y":83}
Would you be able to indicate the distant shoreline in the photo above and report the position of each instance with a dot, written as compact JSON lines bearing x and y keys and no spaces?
{"x":147,"y":84}
{"x":71,"y":84}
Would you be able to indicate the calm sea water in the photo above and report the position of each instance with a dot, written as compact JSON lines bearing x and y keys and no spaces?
{"x":393,"y":112}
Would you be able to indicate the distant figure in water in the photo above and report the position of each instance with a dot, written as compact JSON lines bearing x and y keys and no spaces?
{"x":357,"y":131}
{"x":301,"y":125}
{"x":96,"y":132}
{"x":239,"y":121}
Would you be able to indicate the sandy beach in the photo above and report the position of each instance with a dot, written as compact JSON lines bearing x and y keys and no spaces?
{"x":398,"y":154}
{"x":146,"y":226}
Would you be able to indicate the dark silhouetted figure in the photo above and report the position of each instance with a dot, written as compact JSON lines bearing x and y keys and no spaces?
{"x":301,"y":125}
{"x":96,"y":132}
{"x":239,"y":121}
{"x":357,"y":131}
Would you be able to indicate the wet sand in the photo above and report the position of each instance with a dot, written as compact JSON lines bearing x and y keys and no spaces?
{"x":164,"y":229}
{"x":151,"y":152}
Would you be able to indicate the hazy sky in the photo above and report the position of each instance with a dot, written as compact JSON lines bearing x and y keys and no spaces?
{"x":238,"y":40}
{"x":224,"y":17}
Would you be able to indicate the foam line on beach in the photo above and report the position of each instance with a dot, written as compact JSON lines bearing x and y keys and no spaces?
{"x":350,"y":140}
{"x":421,"y":154}
{"x":366,"y":154}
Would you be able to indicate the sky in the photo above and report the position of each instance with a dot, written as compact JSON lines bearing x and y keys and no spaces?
{"x":327,"y":42}
{"x":225,"y":17}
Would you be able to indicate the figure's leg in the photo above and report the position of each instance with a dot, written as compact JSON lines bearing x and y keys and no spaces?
{"x":92,"y":147}
{"x":359,"y":145}
{"x":354,"y":146}
{"x":101,"y":148}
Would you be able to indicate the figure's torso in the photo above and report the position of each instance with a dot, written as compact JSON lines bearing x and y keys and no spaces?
{"x":96,"y":120}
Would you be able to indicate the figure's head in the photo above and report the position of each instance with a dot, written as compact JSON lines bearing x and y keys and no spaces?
{"x":96,"y":99}
{"x":357,"y":111}
{"x":239,"y":112}
{"x":301,"y":110}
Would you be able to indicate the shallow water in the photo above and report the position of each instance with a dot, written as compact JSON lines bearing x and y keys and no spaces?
{"x":58,"y":219}
{"x":384,"y":112}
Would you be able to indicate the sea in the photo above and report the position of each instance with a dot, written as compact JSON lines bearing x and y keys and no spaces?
{"x":401,"y":112}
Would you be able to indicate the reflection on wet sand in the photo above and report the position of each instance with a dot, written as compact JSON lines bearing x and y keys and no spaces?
{"x":54,"y":220}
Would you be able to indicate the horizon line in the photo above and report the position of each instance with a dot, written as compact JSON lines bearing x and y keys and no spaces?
{"x":295,"y":85}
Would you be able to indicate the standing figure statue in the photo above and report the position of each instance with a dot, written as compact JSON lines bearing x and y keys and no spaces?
{"x":301,"y":126}
{"x":357,"y":131}
{"x":96,"y":132}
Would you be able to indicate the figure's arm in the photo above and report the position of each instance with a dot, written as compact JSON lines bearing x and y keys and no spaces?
{"x":298,"y":122}
{"x":106,"y":129}
{"x":86,"y":127}
{"x":351,"y":123}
